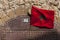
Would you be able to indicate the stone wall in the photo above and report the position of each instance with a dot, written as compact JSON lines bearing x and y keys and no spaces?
{"x":10,"y":9}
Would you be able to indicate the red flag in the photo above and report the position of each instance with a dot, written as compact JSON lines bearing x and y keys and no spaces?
{"x":42,"y":18}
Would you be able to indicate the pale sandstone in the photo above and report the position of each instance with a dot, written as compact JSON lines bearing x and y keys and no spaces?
{"x":20,"y":11}
{"x":59,"y":6}
{"x":2,"y":14}
{"x":29,"y":11}
{"x":21,"y":7}
{"x":11,"y":14}
{"x":4,"y":19}
{"x":44,"y":6}
{"x":21,"y":1}
{"x":42,"y":1}
{"x":1,"y":23}
{"x":14,"y":8}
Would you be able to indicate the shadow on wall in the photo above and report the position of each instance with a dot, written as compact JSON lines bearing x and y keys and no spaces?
{"x":17,"y":24}
{"x":52,"y":35}
{"x":32,"y":35}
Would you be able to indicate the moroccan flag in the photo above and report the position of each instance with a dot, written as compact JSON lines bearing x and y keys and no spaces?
{"x":42,"y":18}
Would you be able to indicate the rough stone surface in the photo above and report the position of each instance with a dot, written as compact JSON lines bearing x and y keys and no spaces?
{"x":13,"y":9}
{"x":18,"y":24}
